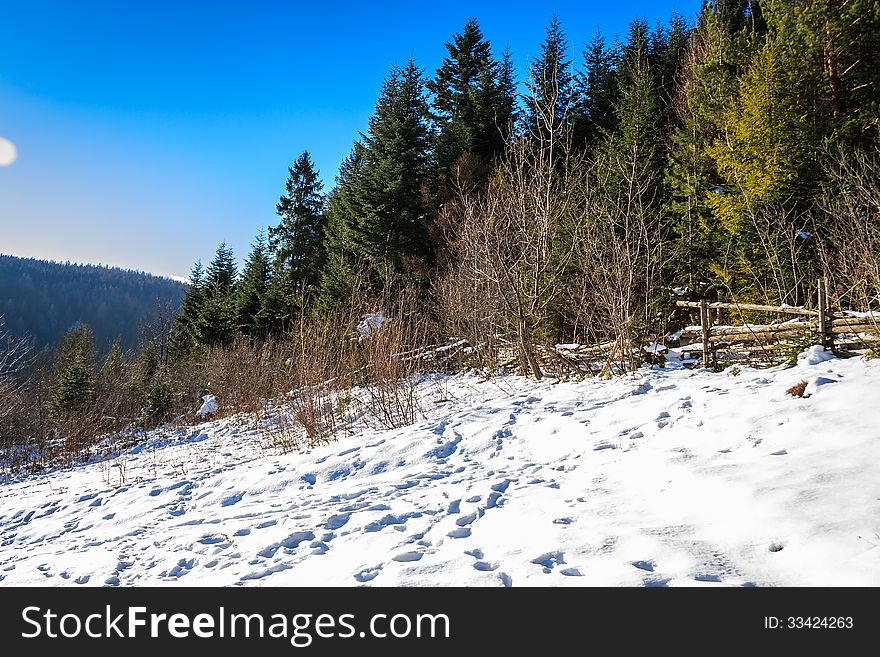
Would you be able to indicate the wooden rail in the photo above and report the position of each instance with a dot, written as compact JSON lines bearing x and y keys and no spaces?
{"x":821,"y":320}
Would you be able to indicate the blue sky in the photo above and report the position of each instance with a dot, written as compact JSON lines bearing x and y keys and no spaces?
{"x":147,"y":133}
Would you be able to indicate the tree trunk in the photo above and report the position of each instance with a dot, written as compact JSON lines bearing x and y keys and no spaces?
{"x":525,"y":341}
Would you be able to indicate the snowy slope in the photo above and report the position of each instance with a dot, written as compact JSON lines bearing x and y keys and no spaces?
{"x":675,"y":477}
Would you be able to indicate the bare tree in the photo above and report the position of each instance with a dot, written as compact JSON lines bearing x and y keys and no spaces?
{"x":848,"y":215}
{"x":16,"y":354}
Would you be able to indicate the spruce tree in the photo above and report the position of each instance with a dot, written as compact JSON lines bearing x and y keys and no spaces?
{"x":114,"y":363}
{"x":216,"y":321}
{"x":337,"y":276}
{"x":252,"y":289}
{"x":596,"y":93}
{"x":633,"y":149}
{"x":184,"y":334}
{"x":297,"y":243}
{"x":508,"y":106}
{"x":471,"y":100}
{"x":549,"y":104}
{"x":386,"y":222}
{"x":73,"y":376}
{"x":727,"y":36}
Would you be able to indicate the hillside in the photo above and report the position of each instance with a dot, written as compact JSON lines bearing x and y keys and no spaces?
{"x":669,"y":477}
{"x":43,"y":299}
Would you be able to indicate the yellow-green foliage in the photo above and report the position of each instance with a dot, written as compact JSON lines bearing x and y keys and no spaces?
{"x":763,"y":147}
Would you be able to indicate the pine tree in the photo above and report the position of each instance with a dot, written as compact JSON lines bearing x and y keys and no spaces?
{"x":385,"y":224}
{"x":337,"y":276}
{"x":73,"y":389}
{"x":216,"y":323}
{"x":252,"y":289}
{"x":596,"y":93}
{"x":549,"y":104}
{"x":297,"y":243}
{"x":184,"y":334}
{"x":728,"y":34}
{"x":828,"y":51}
{"x":633,"y":149}
{"x":471,"y":100}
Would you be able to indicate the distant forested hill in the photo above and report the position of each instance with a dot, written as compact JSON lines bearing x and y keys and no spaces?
{"x":44,"y":299}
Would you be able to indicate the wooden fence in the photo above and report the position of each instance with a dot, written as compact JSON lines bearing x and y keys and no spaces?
{"x":844,"y":332}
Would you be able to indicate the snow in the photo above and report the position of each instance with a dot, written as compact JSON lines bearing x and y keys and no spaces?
{"x":209,"y":405}
{"x":180,"y":279}
{"x":679,"y":291}
{"x":371,"y":322}
{"x":815,"y":355}
{"x":671,"y":477}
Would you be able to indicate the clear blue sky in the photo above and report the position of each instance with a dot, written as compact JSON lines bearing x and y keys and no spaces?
{"x":149,"y":132}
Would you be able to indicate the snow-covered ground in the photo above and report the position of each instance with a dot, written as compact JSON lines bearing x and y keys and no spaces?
{"x":670,"y":478}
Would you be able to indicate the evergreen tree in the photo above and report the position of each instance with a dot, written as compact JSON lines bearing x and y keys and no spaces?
{"x":471,"y":103}
{"x":114,"y":363}
{"x":765,"y":157}
{"x":297,"y":243}
{"x":73,"y":389}
{"x":222,"y":273}
{"x":507,"y":91}
{"x":184,"y":334}
{"x":337,"y":276}
{"x":596,"y":93}
{"x":633,"y":149}
{"x":828,"y":50}
{"x":728,"y":34}
{"x":549,"y":108}
{"x":386,"y":213}
{"x":252,"y":289}
{"x":216,"y":321}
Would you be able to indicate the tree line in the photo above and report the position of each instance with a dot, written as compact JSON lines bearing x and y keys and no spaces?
{"x":42,"y":300}
{"x":721,"y":129}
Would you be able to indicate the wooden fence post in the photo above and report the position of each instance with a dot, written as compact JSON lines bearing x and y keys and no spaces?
{"x":824,"y":324}
{"x":704,"y":325}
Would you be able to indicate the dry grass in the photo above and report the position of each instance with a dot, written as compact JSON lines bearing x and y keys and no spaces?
{"x":798,"y":389}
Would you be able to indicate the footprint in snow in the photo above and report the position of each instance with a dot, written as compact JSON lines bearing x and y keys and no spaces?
{"x":408,"y":556}
{"x":235,"y":498}
{"x":656,"y":582}
{"x":368,"y":574}
{"x":648,"y":565}
{"x":549,"y":560}
{"x":468,"y":519}
{"x":336,"y":521}
{"x":461,"y":532}
{"x":485,"y":566}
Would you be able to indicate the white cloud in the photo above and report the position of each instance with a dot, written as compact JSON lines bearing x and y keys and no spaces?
{"x":8,"y":154}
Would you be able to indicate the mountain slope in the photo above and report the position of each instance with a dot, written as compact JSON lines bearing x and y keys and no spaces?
{"x":673,"y":478}
{"x":44,"y":299}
